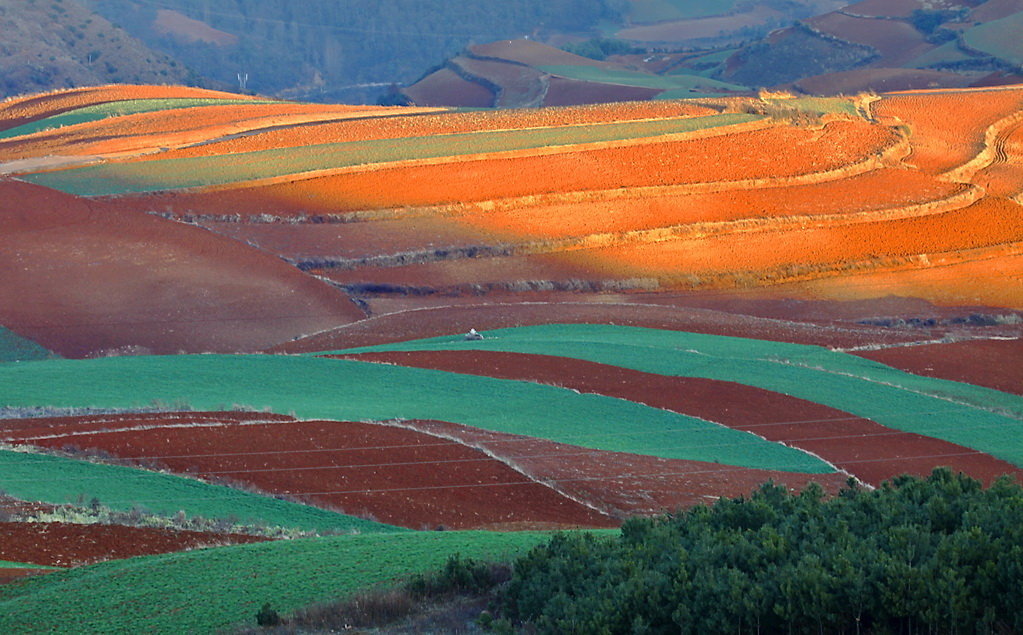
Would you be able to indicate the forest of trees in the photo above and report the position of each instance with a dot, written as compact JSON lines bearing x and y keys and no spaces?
{"x":321,"y":46}
{"x":940,"y":555}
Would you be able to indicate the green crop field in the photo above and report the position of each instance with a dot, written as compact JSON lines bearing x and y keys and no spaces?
{"x":980,"y":418}
{"x":154,"y":175}
{"x":116,"y":109}
{"x":7,"y":564}
{"x":649,"y":11}
{"x":999,"y":38}
{"x":212,"y":589}
{"x":643,"y":80}
{"x":316,"y":388}
{"x":58,"y":480}
{"x":14,"y":348}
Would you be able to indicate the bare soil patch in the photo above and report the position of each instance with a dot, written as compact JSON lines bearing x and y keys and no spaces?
{"x":996,"y":364}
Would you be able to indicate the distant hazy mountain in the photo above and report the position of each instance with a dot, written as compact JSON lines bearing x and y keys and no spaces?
{"x":47,"y":44}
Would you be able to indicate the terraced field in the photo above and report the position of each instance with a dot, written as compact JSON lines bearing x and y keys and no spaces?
{"x":679,"y":300}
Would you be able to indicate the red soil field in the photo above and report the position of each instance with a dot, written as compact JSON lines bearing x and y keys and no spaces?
{"x":106,"y":276}
{"x":445,"y":87}
{"x":766,"y":153}
{"x":36,"y":428}
{"x":414,"y":324}
{"x":446,"y":123}
{"x":624,"y":484}
{"x":385,"y":472}
{"x":869,"y":451}
{"x":71,"y":545}
{"x":152,"y":131}
{"x":896,"y":41}
{"x":354,"y":240}
{"x":531,"y":53}
{"x":1004,"y":176}
{"x":18,"y":111}
{"x":568,"y":92}
{"x":947,"y":128}
{"x":882,"y":80}
{"x":992,"y":363}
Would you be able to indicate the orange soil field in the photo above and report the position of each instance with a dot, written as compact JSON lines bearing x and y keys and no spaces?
{"x":444,"y":320}
{"x":169,"y":128}
{"x":385,"y":472}
{"x":896,"y":41}
{"x":992,"y":280}
{"x":70,"y":545}
{"x":106,"y":276}
{"x":446,"y":87}
{"x":990,"y":222}
{"x":767,"y":153}
{"x":876,"y":190}
{"x":992,"y":363}
{"x":562,"y":91}
{"x":1004,"y":176}
{"x":22,"y":110}
{"x":871,"y":452}
{"x":948,"y":128}
{"x":446,"y":123}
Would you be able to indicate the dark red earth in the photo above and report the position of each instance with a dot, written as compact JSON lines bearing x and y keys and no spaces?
{"x":870,"y":451}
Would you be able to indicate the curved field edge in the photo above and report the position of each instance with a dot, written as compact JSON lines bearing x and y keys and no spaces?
{"x":317,"y":388}
{"x":980,"y":418}
{"x":7,"y":564}
{"x":107,"y":110}
{"x":234,"y":582}
{"x":58,"y":480}
{"x":14,"y":348}
{"x":170,"y":174}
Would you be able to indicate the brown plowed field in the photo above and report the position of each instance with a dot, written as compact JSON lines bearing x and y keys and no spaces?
{"x":562,"y":91}
{"x":624,"y":484}
{"x":387,"y":473}
{"x":104,"y":276}
{"x":947,"y":129}
{"x":414,"y":324}
{"x":518,"y":86}
{"x":71,"y":545}
{"x":996,"y":364}
{"x":893,"y":8}
{"x":896,"y":41}
{"x":8,"y":575}
{"x":532,"y":53}
{"x":37,"y":428}
{"x":865,"y":449}
{"x":759,"y":154}
{"x":882,"y":79}
{"x":20,"y":111}
{"x":445,"y":87}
